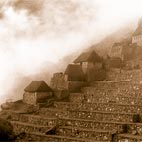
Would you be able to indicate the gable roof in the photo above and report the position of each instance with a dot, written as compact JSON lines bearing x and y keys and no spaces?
{"x":38,"y":86}
{"x":74,"y":72}
{"x":88,"y":57}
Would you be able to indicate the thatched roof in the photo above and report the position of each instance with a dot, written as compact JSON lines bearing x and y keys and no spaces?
{"x":88,"y":57}
{"x":37,"y":86}
{"x":74,"y":72}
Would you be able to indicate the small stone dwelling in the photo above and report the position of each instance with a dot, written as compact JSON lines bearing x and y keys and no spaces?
{"x":92,"y":66}
{"x":89,"y":60}
{"x":74,"y":72}
{"x":37,"y":92}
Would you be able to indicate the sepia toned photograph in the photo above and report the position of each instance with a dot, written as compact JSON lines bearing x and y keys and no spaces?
{"x":70,"y":70}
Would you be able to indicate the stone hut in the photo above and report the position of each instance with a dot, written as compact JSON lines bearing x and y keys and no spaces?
{"x":74,"y":72}
{"x":92,"y":66}
{"x":89,"y":60}
{"x":37,"y":92}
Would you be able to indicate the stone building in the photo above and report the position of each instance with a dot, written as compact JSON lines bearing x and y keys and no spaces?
{"x":117,"y":50}
{"x":92,"y":66}
{"x":37,"y":92}
{"x":89,"y":60}
{"x":74,"y":72}
{"x":137,"y":35}
{"x":122,"y":48}
{"x":72,"y":79}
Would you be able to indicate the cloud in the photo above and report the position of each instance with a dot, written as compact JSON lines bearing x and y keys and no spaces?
{"x":33,"y":7}
{"x":33,"y":33}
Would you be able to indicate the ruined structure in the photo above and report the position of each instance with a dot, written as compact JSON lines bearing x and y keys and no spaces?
{"x":72,"y":79}
{"x":37,"y":92}
{"x":137,"y":35}
{"x":129,"y":50}
{"x":117,"y":50}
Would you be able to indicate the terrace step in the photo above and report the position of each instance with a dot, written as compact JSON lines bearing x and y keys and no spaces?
{"x":94,"y":134}
{"x":124,"y":75}
{"x":117,"y":84}
{"x":125,"y":92}
{"x":92,"y":97}
{"x":34,"y":119}
{"x":85,"y":114}
{"x":129,"y":138}
{"x":52,"y":112}
{"x":108,"y":107}
{"x":28,"y":127}
{"x":104,"y":125}
{"x":102,"y":115}
{"x":56,"y":138}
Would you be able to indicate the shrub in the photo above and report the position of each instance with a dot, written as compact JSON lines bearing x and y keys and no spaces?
{"x":136,"y":118}
{"x":6,"y":130}
{"x":125,"y":128}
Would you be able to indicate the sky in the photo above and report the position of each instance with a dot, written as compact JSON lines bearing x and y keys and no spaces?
{"x":33,"y":33}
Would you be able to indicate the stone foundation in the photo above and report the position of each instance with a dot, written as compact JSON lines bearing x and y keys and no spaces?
{"x":118,"y":75}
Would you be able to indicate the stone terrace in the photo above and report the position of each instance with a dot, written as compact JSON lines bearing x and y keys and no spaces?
{"x":105,"y":111}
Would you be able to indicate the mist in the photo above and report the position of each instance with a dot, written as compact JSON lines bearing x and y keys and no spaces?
{"x":36,"y":35}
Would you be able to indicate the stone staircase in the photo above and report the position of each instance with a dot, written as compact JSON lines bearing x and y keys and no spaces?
{"x":105,"y":111}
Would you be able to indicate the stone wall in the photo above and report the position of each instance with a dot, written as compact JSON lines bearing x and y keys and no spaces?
{"x":101,"y":116}
{"x":118,"y":75}
{"x":33,"y":119}
{"x":116,"y":50}
{"x":116,"y":96}
{"x":107,"y":107}
{"x":59,"y":82}
{"x":76,"y":97}
{"x":43,"y":96}
{"x":92,"y":134}
{"x":36,"y":97}
{"x":61,"y":94}
{"x":74,"y":86}
{"x":30,"y":98}
{"x":89,"y":115}
{"x":137,"y":39}
{"x":24,"y":127}
{"x":55,"y":138}
{"x":128,"y":138}
{"x":104,"y":125}
{"x":96,"y":75}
